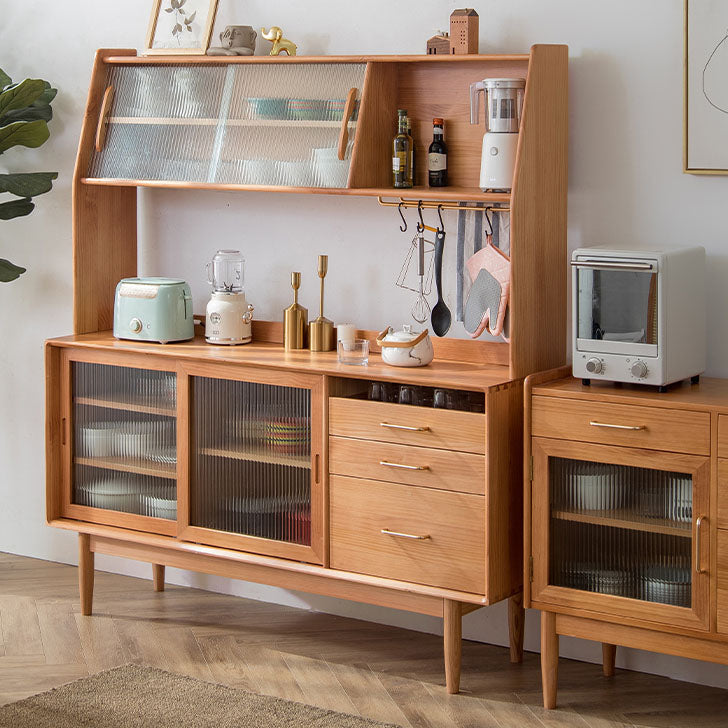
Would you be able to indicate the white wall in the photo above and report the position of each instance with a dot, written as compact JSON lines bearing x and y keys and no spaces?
{"x":626,"y":185}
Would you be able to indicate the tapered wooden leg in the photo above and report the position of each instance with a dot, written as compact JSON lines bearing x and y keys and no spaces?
{"x":85,"y":573}
{"x":158,"y":571}
{"x":453,"y":639}
{"x":609,"y":655}
{"x":549,"y":659}
{"x":516,"y":625}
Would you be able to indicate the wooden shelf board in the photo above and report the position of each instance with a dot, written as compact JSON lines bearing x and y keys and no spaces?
{"x":441,"y":373}
{"x":227,"y":60}
{"x":287,"y":123}
{"x":126,"y":406}
{"x":259,"y":456}
{"x":454,"y":194}
{"x":619,"y":519}
{"x":124,"y":465}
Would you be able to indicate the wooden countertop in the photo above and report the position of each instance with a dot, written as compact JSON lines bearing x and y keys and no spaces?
{"x":452,"y":374}
{"x":708,"y":394}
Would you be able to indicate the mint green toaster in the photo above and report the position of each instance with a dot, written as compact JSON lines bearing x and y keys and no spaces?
{"x":153,"y":309}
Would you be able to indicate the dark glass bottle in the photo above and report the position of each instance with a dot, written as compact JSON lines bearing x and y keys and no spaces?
{"x":401,"y":153}
{"x":437,"y":157}
{"x":413,"y":160}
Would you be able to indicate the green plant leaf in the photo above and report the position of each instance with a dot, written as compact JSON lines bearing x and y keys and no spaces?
{"x":191,"y":18}
{"x":31,"y":113}
{"x":174,"y":3}
{"x":27,"y":184}
{"x":181,"y":3}
{"x":5,"y":80}
{"x":169,"y":10}
{"x":21,"y":94}
{"x":9,"y":271}
{"x":24,"y":133}
{"x":16,"y":208}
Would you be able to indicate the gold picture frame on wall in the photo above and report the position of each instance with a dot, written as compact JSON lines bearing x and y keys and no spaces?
{"x":180,"y":27}
{"x":706,"y":88}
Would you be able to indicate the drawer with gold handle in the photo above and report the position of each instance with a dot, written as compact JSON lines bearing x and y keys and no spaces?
{"x":428,"y":467}
{"x":413,"y":534}
{"x":407,"y":425}
{"x":654,"y":428}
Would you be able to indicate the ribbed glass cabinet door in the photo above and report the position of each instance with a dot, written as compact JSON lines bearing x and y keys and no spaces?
{"x":616,"y":522}
{"x":241,"y":124}
{"x":124,"y":454}
{"x":251,"y":462}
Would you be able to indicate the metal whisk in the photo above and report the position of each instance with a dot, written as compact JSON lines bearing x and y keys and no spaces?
{"x":421,"y":309}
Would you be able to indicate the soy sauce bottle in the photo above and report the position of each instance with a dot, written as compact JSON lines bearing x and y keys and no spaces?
{"x":437,"y":157}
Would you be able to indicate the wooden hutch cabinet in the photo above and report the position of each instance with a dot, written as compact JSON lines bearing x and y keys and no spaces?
{"x":625,"y":511}
{"x":276,"y":467}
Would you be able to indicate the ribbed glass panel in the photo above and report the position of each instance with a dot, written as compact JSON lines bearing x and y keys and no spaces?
{"x":125,"y":444}
{"x":241,"y":124}
{"x":621,"y":530}
{"x":252,"y":459}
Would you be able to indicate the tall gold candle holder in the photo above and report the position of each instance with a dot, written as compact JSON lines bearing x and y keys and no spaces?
{"x":294,"y":319}
{"x":321,"y":330}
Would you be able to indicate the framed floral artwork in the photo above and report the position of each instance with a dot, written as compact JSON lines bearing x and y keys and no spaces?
{"x":180,"y":27}
{"x":706,"y":87}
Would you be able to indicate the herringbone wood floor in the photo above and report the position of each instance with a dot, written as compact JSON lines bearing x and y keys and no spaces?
{"x":342,"y":664}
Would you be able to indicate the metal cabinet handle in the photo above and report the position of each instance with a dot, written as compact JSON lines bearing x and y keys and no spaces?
{"x":387,"y":532}
{"x":404,"y":427}
{"x":404,"y":467}
{"x":698,"y":523}
{"x":618,"y":427}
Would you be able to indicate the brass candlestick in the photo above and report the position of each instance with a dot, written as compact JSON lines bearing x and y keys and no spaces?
{"x":321,"y":331}
{"x":294,"y":319}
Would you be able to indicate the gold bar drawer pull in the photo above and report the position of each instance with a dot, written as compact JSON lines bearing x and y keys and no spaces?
{"x":698,"y":528}
{"x":404,"y":467}
{"x":387,"y":532}
{"x":618,"y":427}
{"x":404,"y":427}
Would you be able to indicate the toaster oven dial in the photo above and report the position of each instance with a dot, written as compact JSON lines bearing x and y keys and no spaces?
{"x":595,"y":366}
{"x":135,"y":325}
{"x":639,"y":369}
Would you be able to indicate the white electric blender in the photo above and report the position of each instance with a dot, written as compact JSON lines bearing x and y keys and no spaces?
{"x":503,"y":105}
{"x":228,"y":313}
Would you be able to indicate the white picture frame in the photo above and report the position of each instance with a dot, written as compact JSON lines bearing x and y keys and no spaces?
{"x":180,"y":27}
{"x":706,"y":87}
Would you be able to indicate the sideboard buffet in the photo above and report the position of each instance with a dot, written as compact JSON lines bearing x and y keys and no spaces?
{"x":626,"y":517}
{"x":274,"y":466}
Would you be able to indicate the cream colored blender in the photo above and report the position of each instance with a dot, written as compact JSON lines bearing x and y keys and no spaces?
{"x":229,"y":315}
{"x":503,"y":105}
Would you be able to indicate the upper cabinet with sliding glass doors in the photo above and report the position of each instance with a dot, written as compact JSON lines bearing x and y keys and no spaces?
{"x":621,"y":530}
{"x":119,"y":454}
{"x":255,"y":478}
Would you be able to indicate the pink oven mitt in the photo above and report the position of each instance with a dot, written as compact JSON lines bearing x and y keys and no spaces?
{"x":490,"y":271}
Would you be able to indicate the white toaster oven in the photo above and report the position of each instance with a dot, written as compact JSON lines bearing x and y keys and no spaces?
{"x":638,"y":315}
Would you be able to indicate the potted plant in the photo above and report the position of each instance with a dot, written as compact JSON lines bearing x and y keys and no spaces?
{"x":25,"y":110}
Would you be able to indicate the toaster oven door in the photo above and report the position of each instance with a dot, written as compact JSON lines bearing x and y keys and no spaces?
{"x":616,"y":305}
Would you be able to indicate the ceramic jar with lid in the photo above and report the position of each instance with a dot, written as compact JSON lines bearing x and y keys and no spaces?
{"x":406,"y":348}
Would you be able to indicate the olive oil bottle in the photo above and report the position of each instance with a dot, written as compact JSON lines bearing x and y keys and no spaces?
{"x":402,"y":153}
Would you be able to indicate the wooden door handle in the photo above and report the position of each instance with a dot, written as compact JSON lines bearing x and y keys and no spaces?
{"x":103,"y":124}
{"x":344,"y":131}
{"x":698,"y":528}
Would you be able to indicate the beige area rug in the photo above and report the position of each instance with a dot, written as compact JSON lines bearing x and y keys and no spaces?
{"x":134,"y":697}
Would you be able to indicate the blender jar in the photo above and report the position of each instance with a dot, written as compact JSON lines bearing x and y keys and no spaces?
{"x":225,"y":273}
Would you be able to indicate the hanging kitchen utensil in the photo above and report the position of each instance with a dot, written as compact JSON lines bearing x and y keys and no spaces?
{"x":408,"y":277}
{"x":487,"y":303}
{"x":421,"y":309}
{"x":441,"y":317}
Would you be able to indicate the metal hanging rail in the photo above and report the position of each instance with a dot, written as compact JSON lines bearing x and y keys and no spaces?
{"x":441,"y":204}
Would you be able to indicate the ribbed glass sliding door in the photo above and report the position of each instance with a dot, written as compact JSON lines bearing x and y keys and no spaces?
{"x":251,"y":464}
